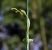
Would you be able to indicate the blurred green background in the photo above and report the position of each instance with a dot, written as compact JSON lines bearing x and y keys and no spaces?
{"x":40,"y":9}
{"x":8,"y":17}
{"x":40,"y":14}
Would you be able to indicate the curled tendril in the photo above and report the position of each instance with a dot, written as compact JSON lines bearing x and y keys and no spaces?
{"x":22,"y":12}
{"x":15,"y":9}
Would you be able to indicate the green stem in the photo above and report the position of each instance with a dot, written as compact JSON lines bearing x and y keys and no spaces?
{"x":43,"y":34}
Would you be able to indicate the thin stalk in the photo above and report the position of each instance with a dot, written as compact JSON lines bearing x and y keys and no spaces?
{"x":43,"y":34}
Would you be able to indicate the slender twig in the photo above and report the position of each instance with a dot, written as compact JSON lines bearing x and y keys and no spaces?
{"x":43,"y":33}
